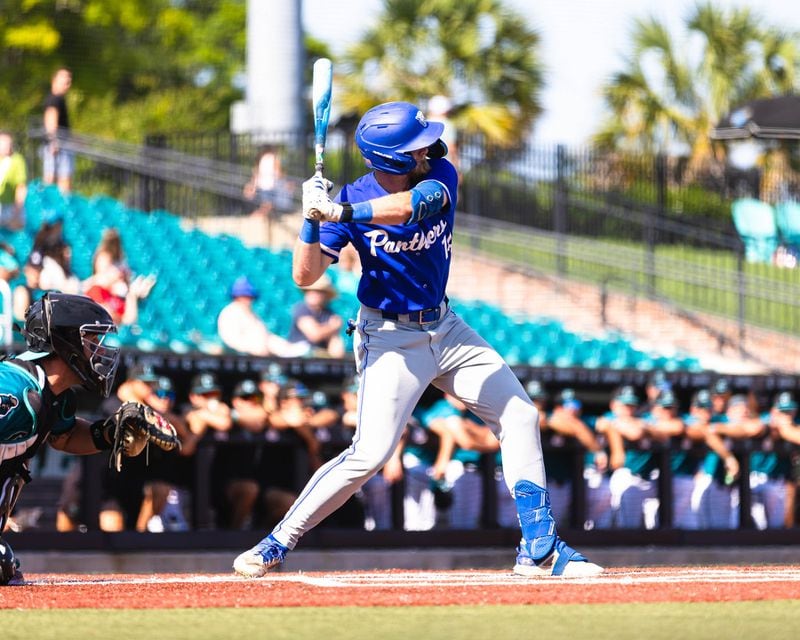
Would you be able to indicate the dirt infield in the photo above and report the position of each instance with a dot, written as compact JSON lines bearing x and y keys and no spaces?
{"x":400,"y":588}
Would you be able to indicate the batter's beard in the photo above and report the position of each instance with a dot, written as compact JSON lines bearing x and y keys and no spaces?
{"x":419,"y":172}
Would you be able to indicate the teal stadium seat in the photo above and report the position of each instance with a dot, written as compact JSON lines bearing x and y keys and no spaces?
{"x":195,"y":271}
{"x":755,"y":223}
{"x":787,"y":217}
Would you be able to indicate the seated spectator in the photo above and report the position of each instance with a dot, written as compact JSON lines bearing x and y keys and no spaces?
{"x":315,"y":324}
{"x":50,"y":234}
{"x":633,"y":490}
{"x":112,"y":284}
{"x":13,"y":185}
{"x":31,"y":290}
{"x":9,"y":267}
{"x":57,"y":274}
{"x":242,"y":330}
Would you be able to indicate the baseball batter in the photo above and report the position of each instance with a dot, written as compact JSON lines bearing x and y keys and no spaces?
{"x":400,"y":217}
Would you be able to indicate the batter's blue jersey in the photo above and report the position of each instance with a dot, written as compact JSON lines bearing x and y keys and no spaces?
{"x":403,"y":267}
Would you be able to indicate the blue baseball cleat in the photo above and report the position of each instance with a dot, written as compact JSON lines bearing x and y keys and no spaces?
{"x":255,"y":562}
{"x":541,"y":552}
{"x":563,"y":562}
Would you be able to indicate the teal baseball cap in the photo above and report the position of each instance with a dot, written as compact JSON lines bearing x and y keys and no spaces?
{"x":568,"y":399}
{"x":205,"y":383}
{"x":666,"y":399}
{"x":535,"y":390}
{"x":785,"y":401}
{"x":702,"y":399}
{"x":626,"y":395}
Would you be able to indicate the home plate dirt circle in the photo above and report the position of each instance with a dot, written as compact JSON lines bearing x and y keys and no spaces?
{"x":388,"y":588}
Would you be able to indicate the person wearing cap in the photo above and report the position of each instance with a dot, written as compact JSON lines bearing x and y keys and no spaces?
{"x":565,"y":427}
{"x":720,"y":508}
{"x":462,"y":475}
{"x":771,"y":482}
{"x":656,"y":383}
{"x":634,"y":465}
{"x":153,"y":477}
{"x":241,"y":330}
{"x":721,"y":393}
{"x":665,"y":425}
{"x":314,"y":323}
{"x":29,"y":291}
{"x":234,"y":487}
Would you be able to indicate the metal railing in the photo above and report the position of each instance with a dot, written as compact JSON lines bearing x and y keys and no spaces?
{"x":554,"y":210}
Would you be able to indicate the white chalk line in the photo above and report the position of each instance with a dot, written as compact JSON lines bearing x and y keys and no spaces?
{"x":423,"y":579}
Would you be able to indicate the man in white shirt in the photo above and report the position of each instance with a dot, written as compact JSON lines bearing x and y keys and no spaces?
{"x":243,"y":331}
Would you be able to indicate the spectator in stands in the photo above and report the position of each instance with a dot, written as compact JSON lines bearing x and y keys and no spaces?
{"x":268,"y":188}
{"x":13,"y":185}
{"x":58,"y":163}
{"x":30,"y":290}
{"x":564,"y":427}
{"x":112,"y":284}
{"x":242,"y":330}
{"x":9,"y":267}
{"x":771,"y":466}
{"x":315,"y":324}
{"x":633,"y":491}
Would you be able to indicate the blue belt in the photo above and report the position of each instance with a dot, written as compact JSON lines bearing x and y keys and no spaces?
{"x":421,"y":317}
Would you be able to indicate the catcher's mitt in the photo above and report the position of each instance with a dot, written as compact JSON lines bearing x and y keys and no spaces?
{"x":134,"y":426}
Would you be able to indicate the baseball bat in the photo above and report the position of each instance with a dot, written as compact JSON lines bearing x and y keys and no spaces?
{"x":321,"y":100}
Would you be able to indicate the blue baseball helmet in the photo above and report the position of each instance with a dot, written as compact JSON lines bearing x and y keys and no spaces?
{"x":388,"y":133}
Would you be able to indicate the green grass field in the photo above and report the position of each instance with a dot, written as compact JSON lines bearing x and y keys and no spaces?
{"x":695,"y":279}
{"x":776,"y":620}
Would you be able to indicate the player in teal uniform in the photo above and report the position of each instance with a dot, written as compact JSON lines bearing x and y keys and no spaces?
{"x":64,"y":335}
{"x":770,"y":466}
{"x":400,"y":218}
{"x":632,"y":460}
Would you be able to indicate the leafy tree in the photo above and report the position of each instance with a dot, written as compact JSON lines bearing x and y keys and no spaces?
{"x":479,"y":52}
{"x":665,"y":97}
{"x":136,"y":63}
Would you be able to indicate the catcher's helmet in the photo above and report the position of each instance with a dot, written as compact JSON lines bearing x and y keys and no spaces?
{"x":8,"y":563}
{"x":389,"y":132}
{"x":73,"y":328}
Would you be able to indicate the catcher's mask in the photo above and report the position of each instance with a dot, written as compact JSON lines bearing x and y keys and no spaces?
{"x":388,"y":133}
{"x":74,"y":328}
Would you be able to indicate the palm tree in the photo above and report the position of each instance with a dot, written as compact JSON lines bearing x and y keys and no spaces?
{"x":478,"y":52}
{"x":666,"y":98}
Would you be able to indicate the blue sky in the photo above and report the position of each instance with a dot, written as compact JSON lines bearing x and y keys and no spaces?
{"x":583,"y":43}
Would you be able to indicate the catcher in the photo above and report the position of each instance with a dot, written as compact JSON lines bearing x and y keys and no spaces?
{"x":64,"y":335}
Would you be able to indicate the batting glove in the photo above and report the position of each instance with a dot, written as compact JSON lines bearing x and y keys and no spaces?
{"x":320,"y":207}
{"x":317,"y":184}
